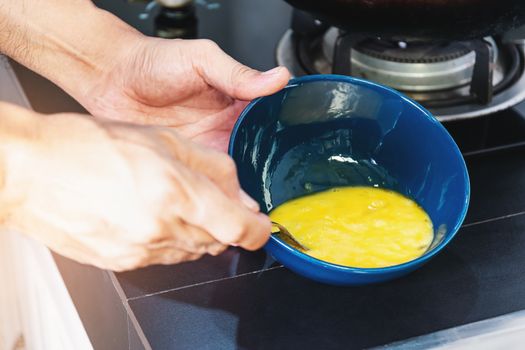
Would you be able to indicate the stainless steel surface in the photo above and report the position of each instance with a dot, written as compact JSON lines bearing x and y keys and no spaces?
{"x":503,"y":332}
{"x":173,"y":3}
{"x":286,"y":56}
{"x":414,"y":76}
{"x":507,"y":98}
{"x":510,"y":97}
{"x":408,"y":76}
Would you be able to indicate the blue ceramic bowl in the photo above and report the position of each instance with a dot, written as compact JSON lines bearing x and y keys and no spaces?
{"x":324,"y":131}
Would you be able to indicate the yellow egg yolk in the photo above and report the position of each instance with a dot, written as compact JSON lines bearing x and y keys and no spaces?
{"x":364,"y":227}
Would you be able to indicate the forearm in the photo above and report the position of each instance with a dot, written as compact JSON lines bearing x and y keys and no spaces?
{"x":64,"y":40}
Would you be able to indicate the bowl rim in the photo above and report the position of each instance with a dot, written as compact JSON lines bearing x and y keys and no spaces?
{"x":424,"y":112}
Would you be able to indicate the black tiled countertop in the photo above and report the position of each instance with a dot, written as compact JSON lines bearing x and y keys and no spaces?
{"x":497,"y":184}
{"x":478,"y":276}
{"x":240,"y":300}
{"x":277,"y":309}
{"x":243,"y":300}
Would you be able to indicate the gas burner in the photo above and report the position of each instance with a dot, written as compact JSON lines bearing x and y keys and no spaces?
{"x":406,"y":66}
{"x":455,"y":80}
{"x":409,"y":52}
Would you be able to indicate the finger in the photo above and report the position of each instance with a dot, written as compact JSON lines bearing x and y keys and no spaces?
{"x":185,"y":238}
{"x":222,"y":171}
{"x":214,"y":248}
{"x":169,"y":256}
{"x":163,"y":255}
{"x":235,"y":79}
{"x":190,"y":238}
{"x":217,"y":166}
{"x":214,"y":130}
{"x":226,"y":220}
{"x":217,"y":250}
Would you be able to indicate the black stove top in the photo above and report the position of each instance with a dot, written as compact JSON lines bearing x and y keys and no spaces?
{"x":243,"y":300}
{"x":454,"y":79}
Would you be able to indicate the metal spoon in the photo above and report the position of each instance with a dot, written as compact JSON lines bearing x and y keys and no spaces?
{"x":287,"y":236}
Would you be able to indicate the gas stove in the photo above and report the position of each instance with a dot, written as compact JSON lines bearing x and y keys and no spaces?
{"x":471,"y":296}
{"x":454,"y":79}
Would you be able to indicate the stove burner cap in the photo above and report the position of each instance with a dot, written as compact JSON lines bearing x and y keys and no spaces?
{"x":412,"y":52}
{"x":442,"y":83}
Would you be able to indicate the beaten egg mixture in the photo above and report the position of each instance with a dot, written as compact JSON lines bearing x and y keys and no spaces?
{"x":357,"y":226}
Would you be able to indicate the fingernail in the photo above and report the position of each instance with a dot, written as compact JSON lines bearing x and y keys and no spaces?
{"x":272,"y":71}
{"x":248,"y":201}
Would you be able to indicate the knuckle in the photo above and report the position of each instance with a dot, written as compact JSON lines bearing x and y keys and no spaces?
{"x":128,"y":259}
{"x":206,"y":55}
{"x":199,"y":212}
{"x":136,"y":262}
{"x":172,"y":258}
{"x":253,"y":245}
{"x":194,"y":247}
{"x":237,"y":234}
{"x":260,"y":243}
{"x":238,"y":76}
{"x":251,"y":248}
{"x":259,"y":237}
{"x":142,"y":258}
{"x":229,"y":166}
{"x":179,"y":256}
{"x":166,"y":134}
{"x":193,"y":257}
{"x":217,"y":249}
{"x":157,"y":238}
{"x":239,"y":71}
{"x":266,"y":229}
{"x":208,"y":45}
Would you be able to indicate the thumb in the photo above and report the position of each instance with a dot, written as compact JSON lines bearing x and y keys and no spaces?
{"x":235,"y":79}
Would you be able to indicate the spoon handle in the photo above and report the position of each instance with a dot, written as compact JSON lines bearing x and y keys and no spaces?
{"x":287,"y":236}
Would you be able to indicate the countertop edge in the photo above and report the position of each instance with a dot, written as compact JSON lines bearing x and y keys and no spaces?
{"x":131,"y":315}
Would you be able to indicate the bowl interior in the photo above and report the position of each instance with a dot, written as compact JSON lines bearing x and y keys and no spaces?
{"x":326,"y":131}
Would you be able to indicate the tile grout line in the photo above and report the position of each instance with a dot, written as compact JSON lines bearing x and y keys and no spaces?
{"x":494,"y":219}
{"x":280,"y":266}
{"x":493,"y":149}
{"x":203,"y":283}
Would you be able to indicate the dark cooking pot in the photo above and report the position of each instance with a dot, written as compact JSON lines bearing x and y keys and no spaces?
{"x":420,"y":19}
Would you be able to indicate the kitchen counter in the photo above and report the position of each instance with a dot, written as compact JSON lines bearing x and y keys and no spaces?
{"x":244,"y":300}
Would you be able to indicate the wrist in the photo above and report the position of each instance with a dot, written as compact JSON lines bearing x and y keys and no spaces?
{"x":19,"y":131}
{"x":106,"y":41}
